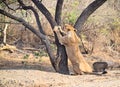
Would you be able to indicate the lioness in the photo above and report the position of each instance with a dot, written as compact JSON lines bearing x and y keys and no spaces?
{"x":71,"y":42}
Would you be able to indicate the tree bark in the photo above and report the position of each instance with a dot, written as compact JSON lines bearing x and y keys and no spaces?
{"x":86,"y":13}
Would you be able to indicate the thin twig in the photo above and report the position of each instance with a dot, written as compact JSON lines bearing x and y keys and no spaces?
{"x":4,"y":1}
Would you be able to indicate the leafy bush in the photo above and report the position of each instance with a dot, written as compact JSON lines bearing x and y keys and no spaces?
{"x":40,"y":54}
{"x":26,"y":56}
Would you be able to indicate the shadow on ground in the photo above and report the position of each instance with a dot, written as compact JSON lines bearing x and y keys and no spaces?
{"x":25,"y":64}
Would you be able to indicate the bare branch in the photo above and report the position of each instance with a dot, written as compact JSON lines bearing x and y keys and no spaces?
{"x":4,"y":1}
{"x":87,"y":12}
{"x":58,"y":11}
{"x":22,"y":21}
{"x":35,"y":13}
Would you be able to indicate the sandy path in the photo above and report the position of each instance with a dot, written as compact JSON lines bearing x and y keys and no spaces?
{"x":36,"y":78}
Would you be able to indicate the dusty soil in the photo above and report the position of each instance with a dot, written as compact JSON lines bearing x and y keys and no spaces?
{"x":37,"y":78}
{"x":17,"y":70}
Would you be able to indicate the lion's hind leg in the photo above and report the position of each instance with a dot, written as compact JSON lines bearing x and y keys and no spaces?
{"x":77,"y":69}
{"x":85,"y":67}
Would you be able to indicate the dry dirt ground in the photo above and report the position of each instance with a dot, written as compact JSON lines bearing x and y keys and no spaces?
{"x":19,"y":70}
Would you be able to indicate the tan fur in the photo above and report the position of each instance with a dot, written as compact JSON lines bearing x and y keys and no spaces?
{"x":71,"y":42}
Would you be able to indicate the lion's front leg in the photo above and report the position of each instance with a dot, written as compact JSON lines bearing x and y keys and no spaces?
{"x":60,"y":37}
{"x":61,"y":31}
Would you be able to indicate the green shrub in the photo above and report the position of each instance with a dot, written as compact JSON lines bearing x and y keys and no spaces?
{"x":26,"y":56}
{"x":72,"y":16}
{"x":40,"y":54}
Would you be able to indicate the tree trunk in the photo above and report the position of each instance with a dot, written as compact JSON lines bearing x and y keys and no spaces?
{"x":62,"y":60}
{"x":61,"y":52}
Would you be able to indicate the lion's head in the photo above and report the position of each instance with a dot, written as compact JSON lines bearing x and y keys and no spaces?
{"x":68,"y":27}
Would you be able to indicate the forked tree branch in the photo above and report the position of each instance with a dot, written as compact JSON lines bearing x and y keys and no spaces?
{"x":61,"y":53}
{"x":45,"y":12}
{"x":35,"y":14}
{"x":48,"y":15}
{"x":86,"y":13}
